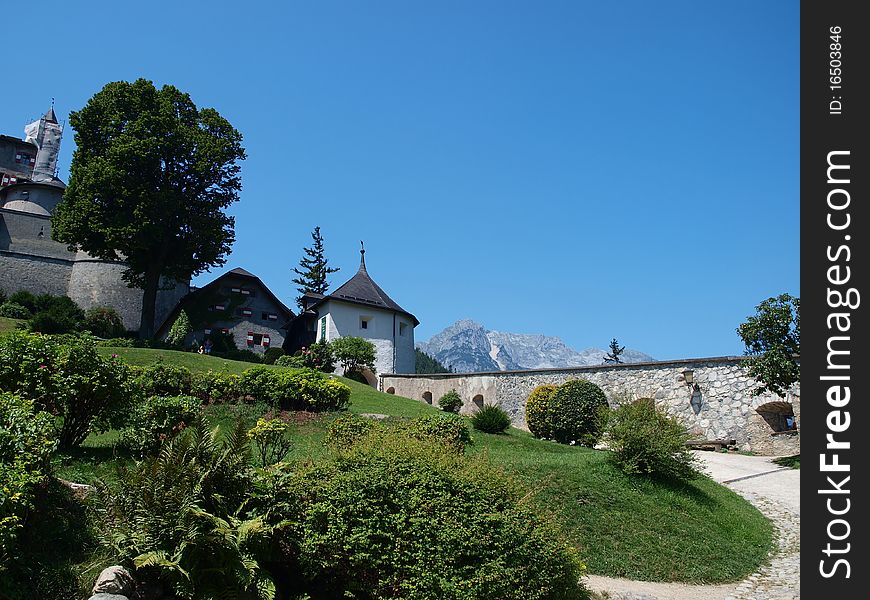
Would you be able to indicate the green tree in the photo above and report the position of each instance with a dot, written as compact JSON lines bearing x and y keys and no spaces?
{"x":180,"y":329}
{"x":615,"y":351}
{"x":773,"y":343}
{"x":428,"y":364}
{"x":314,"y":269}
{"x":354,"y":354}
{"x":149,"y":182}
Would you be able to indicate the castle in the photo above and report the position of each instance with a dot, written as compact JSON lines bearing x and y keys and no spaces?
{"x":30,"y":260}
{"x":237,"y":303}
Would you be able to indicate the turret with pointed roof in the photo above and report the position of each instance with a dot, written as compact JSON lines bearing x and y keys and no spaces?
{"x":359,"y":308}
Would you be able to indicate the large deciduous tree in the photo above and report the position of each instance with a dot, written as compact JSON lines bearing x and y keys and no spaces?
{"x":149,"y":182}
{"x":773,"y":343}
{"x":314,"y":269}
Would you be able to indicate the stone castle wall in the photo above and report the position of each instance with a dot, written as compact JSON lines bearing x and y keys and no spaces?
{"x":722,"y":406}
{"x":31,"y":261}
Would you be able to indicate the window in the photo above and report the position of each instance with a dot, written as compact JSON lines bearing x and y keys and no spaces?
{"x":270,"y":316}
{"x":364,"y":322}
{"x":403,"y":328}
{"x":247,"y":312}
{"x":258,"y":339}
{"x":208,"y":331}
{"x":217,"y":307}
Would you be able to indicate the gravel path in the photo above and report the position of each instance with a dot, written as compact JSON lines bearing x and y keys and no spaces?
{"x":776,"y":493}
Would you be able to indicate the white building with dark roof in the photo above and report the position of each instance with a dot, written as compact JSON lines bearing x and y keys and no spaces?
{"x":359,"y":308}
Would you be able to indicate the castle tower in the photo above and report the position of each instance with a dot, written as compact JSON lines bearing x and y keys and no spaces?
{"x":45,"y":133}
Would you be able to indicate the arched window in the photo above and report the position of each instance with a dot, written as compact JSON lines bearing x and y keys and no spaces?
{"x":391,"y":390}
{"x":478,"y":400}
{"x":427,"y":396}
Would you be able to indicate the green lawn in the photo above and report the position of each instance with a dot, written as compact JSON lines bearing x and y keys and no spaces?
{"x":7,"y":324}
{"x":624,"y":526}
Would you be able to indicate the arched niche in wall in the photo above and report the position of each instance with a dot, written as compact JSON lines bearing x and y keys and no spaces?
{"x":779,"y":415}
{"x":427,"y":397}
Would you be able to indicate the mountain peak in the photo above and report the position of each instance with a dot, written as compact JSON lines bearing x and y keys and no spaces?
{"x":468,"y":347}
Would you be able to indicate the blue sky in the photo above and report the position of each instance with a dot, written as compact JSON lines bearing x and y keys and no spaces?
{"x":580,"y":169}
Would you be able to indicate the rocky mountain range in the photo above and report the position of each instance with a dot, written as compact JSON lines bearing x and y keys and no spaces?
{"x":468,"y":347}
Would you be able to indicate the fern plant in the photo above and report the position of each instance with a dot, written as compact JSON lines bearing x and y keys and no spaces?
{"x":180,"y":518}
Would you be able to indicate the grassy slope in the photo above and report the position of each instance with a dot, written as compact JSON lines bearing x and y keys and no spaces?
{"x":7,"y":324}
{"x":625,"y":526}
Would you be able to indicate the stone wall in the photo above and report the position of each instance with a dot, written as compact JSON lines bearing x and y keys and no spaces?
{"x":720,"y":407}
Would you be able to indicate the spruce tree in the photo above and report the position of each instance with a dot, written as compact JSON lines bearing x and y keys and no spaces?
{"x":314,"y":269}
{"x":615,"y":351}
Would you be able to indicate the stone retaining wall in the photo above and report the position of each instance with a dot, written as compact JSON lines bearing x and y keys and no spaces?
{"x":718,"y":405}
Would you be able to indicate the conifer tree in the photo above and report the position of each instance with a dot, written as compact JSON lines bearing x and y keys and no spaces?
{"x":314,"y":269}
{"x":615,"y":351}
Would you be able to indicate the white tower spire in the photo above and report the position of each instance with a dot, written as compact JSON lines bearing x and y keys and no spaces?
{"x":46,"y":134}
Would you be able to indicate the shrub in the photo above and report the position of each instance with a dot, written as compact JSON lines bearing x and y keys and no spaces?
{"x":270,"y":440}
{"x":69,"y":380}
{"x":13,"y":310}
{"x":260,"y":383}
{"x":180,"y":518}
{"x":180,"y":329}
{"x":644,"y":440}
{"x":397,"y":518}
{"x":271,"y":355}
{"x":347,"y":429}
{"x":157,"y":419}
{"x":576,"y":409}
{"x":241,"y":355}
{"x":216,"y":386}
{"x":354,"y":354}
{"x":25,"y":299}
{"x":296,"y":361}
{"x":539,"y":411}
{"x":318,"y":356}
{"x":56,"y":314}
{"x":27,"y":439}
{"x":104,"y":322}
{"x":449,"y":431}
{"x":303,"y":389}
{"x":491,"y":419}
{"x":450,"y":402}
{"x":162,"y":379}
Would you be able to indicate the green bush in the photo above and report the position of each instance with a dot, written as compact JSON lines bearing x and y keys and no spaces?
{"x":347,"y":429}
{"x":450,"y":431}
{"x":162,"y":379}
{"x":56,"y":314}
{"x":271,"y":355}
{"x":241,"y":355}
{"x":181,"y":520}
{"x":450,"y":402}
{"x":216,"y":386}
{"x":13,"y":310}
{"x":353,"y":353}
{"x":271,"y":440}
{"x":157,"y":419}
{"x":539,"y":413}
{"x":392,"y":517}
{"x":577,"y":407}
{"x":644,"y":440}
{"x":27,"y":439}
{"x":302,"y":389}
{"x":318,"y":356}
{"x":180,"y":329}
{"x":491,"y":419}
{"x":25,"y":299}
{"x":260,"y":383}
{"x":297,"y":361}
{"x":104,"y":322}
{"x":70,"y":380}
